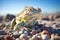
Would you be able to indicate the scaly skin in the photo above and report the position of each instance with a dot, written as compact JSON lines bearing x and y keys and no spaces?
{"x":25,"y":17}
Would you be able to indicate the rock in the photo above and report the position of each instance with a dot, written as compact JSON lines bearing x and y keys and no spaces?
{"x":1,"y":18}
{"x":8,"y":17}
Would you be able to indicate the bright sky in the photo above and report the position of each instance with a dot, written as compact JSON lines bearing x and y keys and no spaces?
{"x":16,"y":6}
